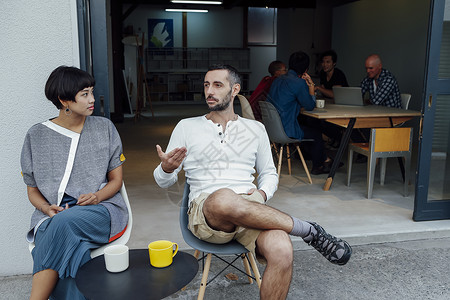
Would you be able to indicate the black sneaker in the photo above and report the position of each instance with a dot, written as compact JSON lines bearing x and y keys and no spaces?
{"x":328,"y":246}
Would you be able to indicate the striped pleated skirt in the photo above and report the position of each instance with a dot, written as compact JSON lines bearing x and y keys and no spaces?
{"x":63,"y":242}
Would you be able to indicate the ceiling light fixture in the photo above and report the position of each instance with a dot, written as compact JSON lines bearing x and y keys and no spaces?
{"x":196,"y":2}
{"x":186,"y":10}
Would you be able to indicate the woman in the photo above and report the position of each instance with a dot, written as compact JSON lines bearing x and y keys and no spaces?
{"x":72,"y":166}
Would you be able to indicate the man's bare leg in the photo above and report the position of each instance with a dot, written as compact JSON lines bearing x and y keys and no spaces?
{"x":43,"y":284}
{"x":224,"y":210}
{"x":276,"y":247}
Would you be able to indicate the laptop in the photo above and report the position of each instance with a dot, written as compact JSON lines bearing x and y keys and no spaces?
{"x":348,"y":96}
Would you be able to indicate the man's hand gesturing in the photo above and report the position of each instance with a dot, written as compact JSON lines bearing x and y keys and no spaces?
{"x":172,"y":160}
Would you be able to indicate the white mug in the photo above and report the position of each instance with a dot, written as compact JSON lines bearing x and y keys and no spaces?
{"x":320,"y":103}
{"x":116,"y":258}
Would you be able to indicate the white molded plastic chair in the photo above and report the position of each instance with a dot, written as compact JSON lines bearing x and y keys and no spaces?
{"x":405,"y":100}
{"x":246,"y":108}
{"x":123,"y":239}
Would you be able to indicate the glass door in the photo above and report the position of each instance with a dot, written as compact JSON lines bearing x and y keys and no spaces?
{"x":432,"y":199}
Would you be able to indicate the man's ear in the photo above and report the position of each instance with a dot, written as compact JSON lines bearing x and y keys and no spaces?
{"x":236,"y":89}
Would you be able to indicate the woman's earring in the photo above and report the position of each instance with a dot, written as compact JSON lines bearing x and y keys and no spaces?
{"x":67,"y":111}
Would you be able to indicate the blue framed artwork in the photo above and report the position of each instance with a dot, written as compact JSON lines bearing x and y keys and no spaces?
{"x":160,"y":33}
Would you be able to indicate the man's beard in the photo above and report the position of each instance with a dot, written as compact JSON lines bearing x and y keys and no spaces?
{"x":221,"y":106}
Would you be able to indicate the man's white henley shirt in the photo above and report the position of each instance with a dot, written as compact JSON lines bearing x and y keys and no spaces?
{"x":218,"y":158}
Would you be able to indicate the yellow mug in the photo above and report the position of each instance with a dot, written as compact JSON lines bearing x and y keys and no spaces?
{"x":161,"y":253}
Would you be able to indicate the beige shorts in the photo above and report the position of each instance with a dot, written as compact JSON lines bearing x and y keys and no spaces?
{"x":198,"y":226}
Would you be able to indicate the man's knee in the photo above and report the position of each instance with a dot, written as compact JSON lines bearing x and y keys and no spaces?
{"x":277,"y":248}
{"x":221,"y":202}
{"x":283,"y":253}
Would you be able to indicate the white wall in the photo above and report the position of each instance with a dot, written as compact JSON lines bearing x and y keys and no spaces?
{"x":37,"y":36}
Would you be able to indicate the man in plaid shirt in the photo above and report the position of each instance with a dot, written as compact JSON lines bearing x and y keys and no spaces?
{"x":381,"y":84}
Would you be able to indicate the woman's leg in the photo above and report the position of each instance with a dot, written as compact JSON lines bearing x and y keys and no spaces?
{"x":63,"y":242}
{"x":43,"y":284}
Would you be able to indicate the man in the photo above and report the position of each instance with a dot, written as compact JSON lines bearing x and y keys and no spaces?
{"x":291,"y":93}
{"x":276,"y":68}
{"x":380,"y":84}
{"x":382,"y":89}
{"x":330,"y":75}
{"x":220,"y":152}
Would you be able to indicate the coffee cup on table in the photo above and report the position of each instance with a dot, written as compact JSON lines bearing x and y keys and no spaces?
{"x":320,"y":103}
{"x":161,"y":253}
{"x":116,"y":258}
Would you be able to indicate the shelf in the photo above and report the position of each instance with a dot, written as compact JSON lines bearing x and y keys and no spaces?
{"x":176,"y":74}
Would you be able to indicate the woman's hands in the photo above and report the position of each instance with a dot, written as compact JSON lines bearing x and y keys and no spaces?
{"x":38,"y":201}
{"x":110,"y":189}
{"x":51,"y":210}
{"x":88,"y":199}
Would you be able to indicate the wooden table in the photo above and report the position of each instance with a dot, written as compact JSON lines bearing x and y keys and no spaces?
{"x":139,"y":281}
{"x":349,"y":117}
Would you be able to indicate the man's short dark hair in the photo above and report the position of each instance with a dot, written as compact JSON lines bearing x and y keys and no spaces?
{"x":233,"y":74}
{"x":331,"y":53}
{"x":65,"y":82}
{"x":274,"y":66}
{"x":299,"y":62}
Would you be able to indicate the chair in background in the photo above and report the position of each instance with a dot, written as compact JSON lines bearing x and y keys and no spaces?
{"x":246,"y":108}
{"x":232,"y":248}
{"x":384,"y":143}
{"x":405,"y":100}
{"x":275,"y":130}
{"x":123,"y":239}
{"x":405,"y":104}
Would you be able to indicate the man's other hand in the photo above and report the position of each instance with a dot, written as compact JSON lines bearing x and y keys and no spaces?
{"x":172,"y":160}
